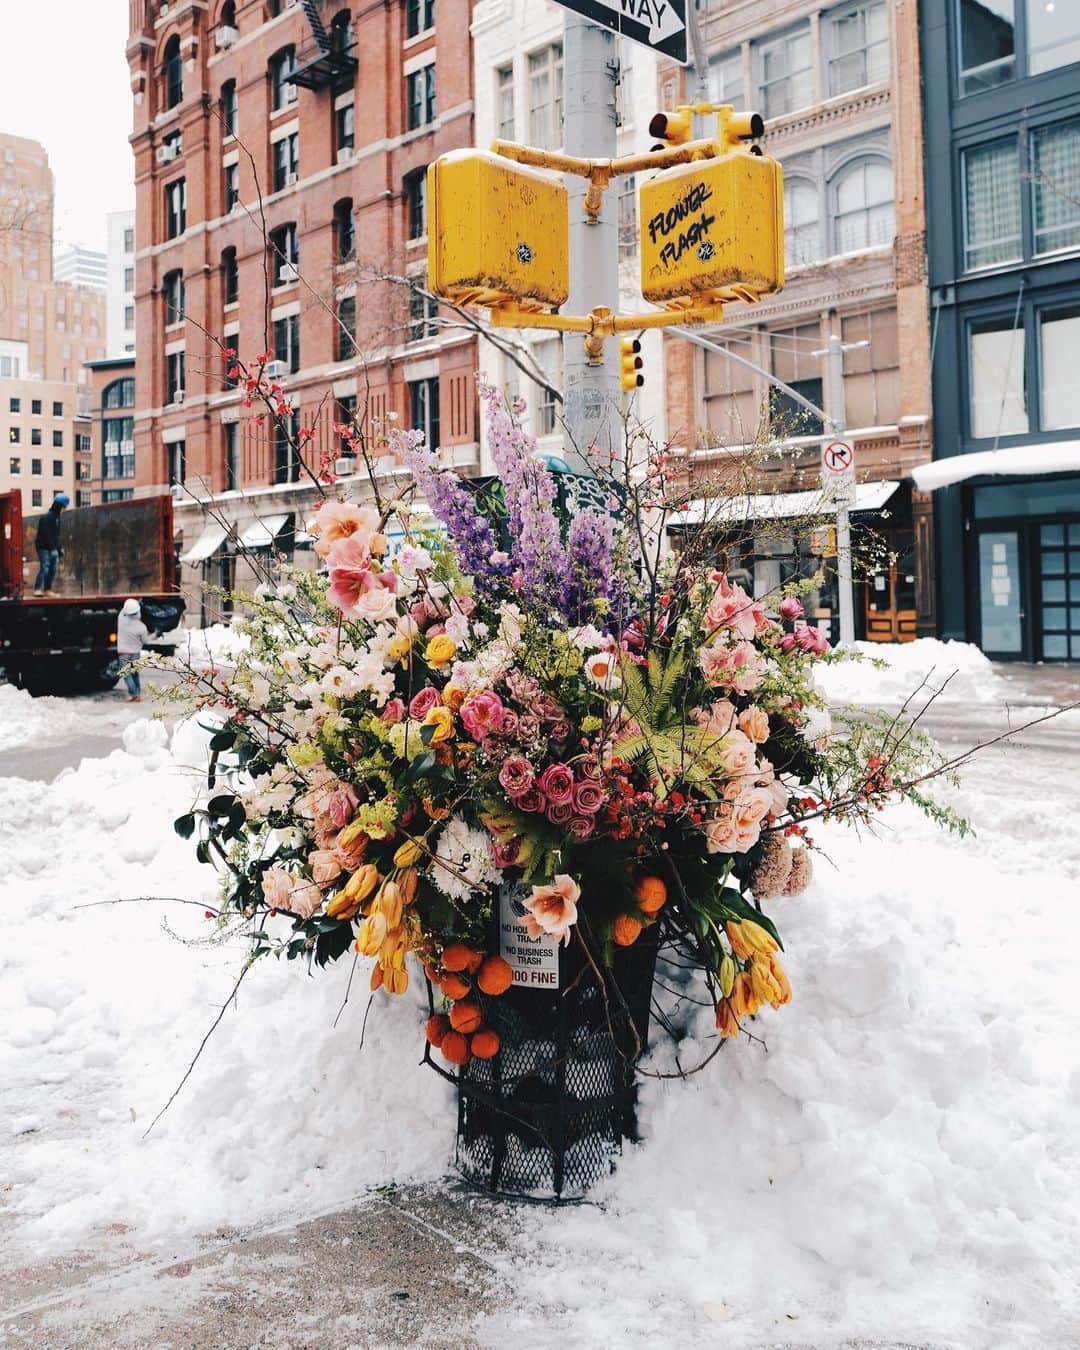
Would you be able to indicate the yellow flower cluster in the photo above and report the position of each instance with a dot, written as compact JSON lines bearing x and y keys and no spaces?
{"x":384,"y":931}
{"x":763,"y":980}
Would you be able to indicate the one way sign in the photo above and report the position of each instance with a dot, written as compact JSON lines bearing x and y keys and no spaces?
{"x":659,"y":24}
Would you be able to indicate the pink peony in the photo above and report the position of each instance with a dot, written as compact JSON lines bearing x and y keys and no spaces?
{"x":423,"y":702}
{"x":737,"y":667}
{"x":552,"y":909}
{"x":342,"y":520}
{"x":393,"y":712}
{"x":589,"y":797}
{"x":516,"y":775}
{"x":557,"y":784}
{"x":791,"y":607}
{"x":531,"y":800}
{"x":480,"y":714}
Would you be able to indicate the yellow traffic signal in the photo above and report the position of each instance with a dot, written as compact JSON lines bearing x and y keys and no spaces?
{"x":498,"y":232}
{"x":630,"y":364}
{"x":672,"y":127}
{"x":713,"y":229}
{"x":735,"y":128}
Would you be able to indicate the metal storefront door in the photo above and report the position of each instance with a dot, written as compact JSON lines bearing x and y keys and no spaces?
{"x":1003,"y":621}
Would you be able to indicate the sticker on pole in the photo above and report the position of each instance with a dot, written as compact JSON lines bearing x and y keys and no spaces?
{"x":534,"y":962}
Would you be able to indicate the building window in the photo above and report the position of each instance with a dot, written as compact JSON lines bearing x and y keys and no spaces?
{"x":14,"y":404}
{"x":344,"y":231}
{"x":423,"y":309}
{"x":341,"y":33}
{"x":35,"y":407}
{"x":288,"y":465}
{"x":35,"y":435}
{"x":57,"y":408}
{"x":174,"y":377}
{"x":177,"y":453}
{"x":232,"y":186}
{"x":282,"y":66}
{"x":793,"y":362}
{"x":129,"y":241}
{"x":1059,"y":391}
{"x":346,"y":328}
{"x":82,"y":445}
{"x":416,"y":203}
{"x":286,"y":161}
{"x":419,"y":17}
{"x":286,"y":255}
{"x":287,"y":342}
{"x":786,"y":72}
{"x":424,"y":410}
{"x":14,"y":435}
{"x":420,"y":94}
{"x":1055,"y":177}
{"x":129,"y":279}
{"x":118,"y":442}
{"x":864,"y":206}
{"x":802,"y":226}
{"x":996,"y":377}
{"x":173,"y":73}
{"x":175,"y":208}
{"x":504,"y":102}
{"x":230,"y":276}
{"x":35,"y":497}
{"x":35,"y":467}
{"x":172,"y":290}
{"x":1053,"y":35}
{"x":119,"y":394}
{"x":346,"y":417}
{"x":726,"y":79}
{"x":549,"y":358}
{"x":14,"y":464}
{"x":58,"y":440}
{"x":858,"y":38}
{"x":992,"y":231}
{"x":230,"y":109}
{"x":872,"y":373}
{"x":231,"y":431}
{"x":58,"y":468}
{"x":129,"y":316}
{"x":345,"y":130}
{"x":545,"y":97}
{"x":987,"y":44}
{"x":627,"y":215}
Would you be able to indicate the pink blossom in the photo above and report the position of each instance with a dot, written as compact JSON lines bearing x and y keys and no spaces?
{"x":342,"y":520}
{"x":423,"y":702}
{"x":393,"y":712}
{"x":560,"y":815}
{"x":480,"y":714}
{"x":811,"y":639}
{"x":557,"y":784}
{"x":341,"y":804}
{"x":730,"y":607}
{"x":791,"y":607}
{"x":738,"y":667}
{"x":552,"y":909}
{"x":516,"y":775}
{"x":581,"y":826}
{"x":589,"y":797}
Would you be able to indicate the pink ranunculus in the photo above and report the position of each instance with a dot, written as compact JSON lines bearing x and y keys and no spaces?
{"x":560,"y":815}
{"x":737,"y":667}
{"x":730,"y":607}
{"x":277,"y":885}
{"x":325,"y":866}
{"x":552,"y":909}
{"x":423,"y":702}
{"x":342,"y":520}
{"x":589,"y":797}
{"x":557,"y":784}
{"x":737,"y":754}
{"x":581,"y":826}
{"x":530,"y":801}
{"x":811,"y":639}
{"x":393,"y":712}
{"x":516,"y":775}
{"x":754,"y":722}
{"x":791,"y":607}
{"x":507,"y":724}
{"x":341,"y":804}
{"x":480,"y":714}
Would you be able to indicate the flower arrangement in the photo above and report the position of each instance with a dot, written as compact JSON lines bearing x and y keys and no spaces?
{"x":523,"y":695}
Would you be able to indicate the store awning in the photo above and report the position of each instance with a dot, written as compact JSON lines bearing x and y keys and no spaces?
{"x":776,"y":505}
{"x":262,"y":533}
{"x":208,"y":543}
{"x":1017,"y":461}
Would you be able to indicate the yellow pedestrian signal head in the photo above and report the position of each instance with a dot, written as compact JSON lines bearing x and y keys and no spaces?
{"x":498,"y":232}
{"x":630,"y":364}
{"x":735,"y":128}
{"x":672,"y":127}
{"x":713,"y":230}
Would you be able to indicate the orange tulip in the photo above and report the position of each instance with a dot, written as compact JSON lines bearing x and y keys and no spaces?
{"x":748,"y":938}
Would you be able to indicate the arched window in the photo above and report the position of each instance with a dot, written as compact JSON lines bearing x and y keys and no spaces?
{"x":230,"y":120}
{"x":341,"y":35}
{"x":344,"y":231}
{"x":230,"y":276}
{"x":282,"y":65}
{"x":802,"y":229}
{"x":173,"y":72}
{"x":285,"y":255}
{"x":172,"y":291}
{"x":119,"y":394}
{"x":227,"y":17}
{"x":864,"y":205}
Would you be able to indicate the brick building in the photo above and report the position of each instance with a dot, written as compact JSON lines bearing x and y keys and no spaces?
{"x":839,"y":88}
{"x":322,"y":121}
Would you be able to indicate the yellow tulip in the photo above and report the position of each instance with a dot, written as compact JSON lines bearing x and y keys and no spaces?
{"x":726,"y":1022}
{"x":442,"y":719}
{"x":350,"y":832}
{"x":727,"y":976}
{"x":389,"y":903}
{"x":396,"y":981}
{"x":408,"y":853}
{"x":393,"y":949}
{"x":371,"y":934}
{"x":748,"y":938}
{"x":362,"y":882}
{"x":744,"y":1000}
{"x":440,"y":651}
{"x":767,"y":988}
{"x":407,"y":881}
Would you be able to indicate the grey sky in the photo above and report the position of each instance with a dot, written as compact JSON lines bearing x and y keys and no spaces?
{"x":64,"y":82}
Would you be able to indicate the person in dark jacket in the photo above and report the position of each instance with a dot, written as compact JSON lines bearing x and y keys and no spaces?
{"x":48,"y":545}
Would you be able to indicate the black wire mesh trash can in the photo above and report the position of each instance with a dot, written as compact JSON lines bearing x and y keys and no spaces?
{"x":546,"y":1117}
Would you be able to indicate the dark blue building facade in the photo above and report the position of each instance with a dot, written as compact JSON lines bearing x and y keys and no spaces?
{"x":1002,"y":124}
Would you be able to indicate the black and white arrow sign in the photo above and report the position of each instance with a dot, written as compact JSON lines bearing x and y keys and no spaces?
{"x":657,"y":24}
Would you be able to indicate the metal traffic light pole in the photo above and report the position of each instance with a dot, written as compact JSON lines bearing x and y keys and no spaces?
{"x":592,"y":399}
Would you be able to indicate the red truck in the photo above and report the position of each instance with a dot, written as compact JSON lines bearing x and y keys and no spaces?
{"x":66,"y":643}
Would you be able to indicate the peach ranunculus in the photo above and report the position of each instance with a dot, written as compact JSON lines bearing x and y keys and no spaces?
{"x":730,"y":607}
{"x":754,"y":722}
{"x":325,"y":866}
{"x":342,"y":520}
{"x":552,"y":909}
{"x":737,"y":667}
{"x":277,"y":885}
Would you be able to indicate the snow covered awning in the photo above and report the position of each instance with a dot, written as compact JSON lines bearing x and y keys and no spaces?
{"x":1016,"y":460}
{"x":262,"y":533}
{"x":777,"y":505}
{"x":208,"y":543}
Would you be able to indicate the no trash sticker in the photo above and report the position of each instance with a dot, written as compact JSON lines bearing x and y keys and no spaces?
{"x":534,"y":962}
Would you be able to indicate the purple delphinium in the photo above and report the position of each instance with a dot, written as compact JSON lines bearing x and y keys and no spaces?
{"x":590,"y":545}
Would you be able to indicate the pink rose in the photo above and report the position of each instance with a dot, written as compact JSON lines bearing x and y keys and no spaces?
{"x":560,"y":815}
{"x":505,"y":852}
{"x":581,"y":826}
{"x":508,"y":723}
{"x":751,"y":807}
{"x":736,"y":754}
{"x":531,"y":800}
{"x":341,"y":804}
{"x":277,"y":887}
{"x":552,"y":909}
{"x":325,"y":867}
{"x":754,"y":722}
{"x":589,"y":797}
{"x":376,"y":602}
{"x":305,"y":899}
{"x":587,"y":767}
{"x":557,"y":784}
{"x":791,"y":607}
{"x":423,"y":702}
{"x":811,"y":639}
{"x":516,"y":775}
{"x":393,"y":712}
{"x":481,"y":713}
{"x":787,"y":643}
{"x":720,"y":718}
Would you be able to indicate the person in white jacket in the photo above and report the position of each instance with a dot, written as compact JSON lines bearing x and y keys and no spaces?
{"x":131,"y":636}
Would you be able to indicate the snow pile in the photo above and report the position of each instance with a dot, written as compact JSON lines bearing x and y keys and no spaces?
{"x":959,"y":668}
{"x":25,"y":720}
{"x":202,"y":648}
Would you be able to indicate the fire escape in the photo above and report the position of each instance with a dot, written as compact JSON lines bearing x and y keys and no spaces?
{"x":328,"y":60}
